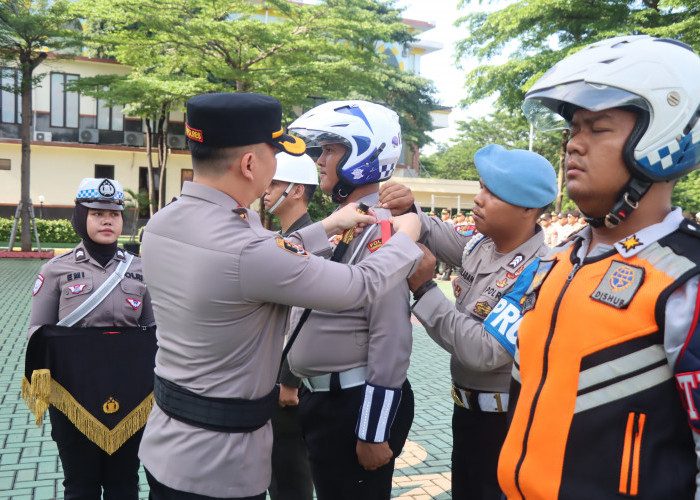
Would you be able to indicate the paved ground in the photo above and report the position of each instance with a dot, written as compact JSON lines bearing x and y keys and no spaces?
{"x":29,"y":465}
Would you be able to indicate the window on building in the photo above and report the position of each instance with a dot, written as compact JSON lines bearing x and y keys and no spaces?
{"x":65,"y":106}
{"x":104,"y":171}
{"x":10,"y":103}
{"x":5,"y":164}
{"x":109,"y":118}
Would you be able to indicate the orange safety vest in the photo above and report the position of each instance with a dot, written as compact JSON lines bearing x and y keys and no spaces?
{"x":598,"y":414}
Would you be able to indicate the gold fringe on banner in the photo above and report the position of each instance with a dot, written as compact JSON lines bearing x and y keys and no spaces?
{"x":109,"y":440}
{"x":37,"y":393}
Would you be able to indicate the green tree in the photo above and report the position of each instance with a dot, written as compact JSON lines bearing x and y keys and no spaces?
{"x":538,"y":33}
{"x":29,"y":31}
{"x":510,"y":130}
{"x":300,"y":53}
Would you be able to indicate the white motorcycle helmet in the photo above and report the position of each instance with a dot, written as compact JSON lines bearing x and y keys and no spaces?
{"x":370,"y":132}
{"x":294,"y":170}
{"x":659,"y":79}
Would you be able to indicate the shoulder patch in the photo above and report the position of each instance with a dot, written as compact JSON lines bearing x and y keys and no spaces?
{"x":38,"y":284}
{"x":374,"y":245}
{"x":291,"y":247}
{"x":619,"y":285}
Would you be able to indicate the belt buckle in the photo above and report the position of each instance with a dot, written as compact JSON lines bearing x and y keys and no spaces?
{"x":461,"y":397}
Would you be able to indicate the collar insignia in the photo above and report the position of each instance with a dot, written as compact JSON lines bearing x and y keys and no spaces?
{"x":631,"y":243}
{"x":516,"y":260}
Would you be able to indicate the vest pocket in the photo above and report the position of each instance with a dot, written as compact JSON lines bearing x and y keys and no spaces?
{"x":629,"y":467}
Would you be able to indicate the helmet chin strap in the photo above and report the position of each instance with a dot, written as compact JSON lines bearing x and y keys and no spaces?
{"x":282,"y":197}
{"x":627,"y":202}
{"x":341,"y":191}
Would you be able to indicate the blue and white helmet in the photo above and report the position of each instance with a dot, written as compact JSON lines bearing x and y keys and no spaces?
{"x":370,"y":132}
{"x":658,"y":77}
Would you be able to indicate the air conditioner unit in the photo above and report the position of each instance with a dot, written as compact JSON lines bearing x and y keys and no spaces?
{"x":177,"y":142}
{"x":133,"y":139}
{"x":42,"y":136}
{"x":89,"y":135}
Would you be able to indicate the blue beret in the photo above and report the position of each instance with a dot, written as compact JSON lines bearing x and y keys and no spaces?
{"x":519,"y":177}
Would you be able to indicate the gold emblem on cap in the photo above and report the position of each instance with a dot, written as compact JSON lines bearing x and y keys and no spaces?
{"x":110,"y":406}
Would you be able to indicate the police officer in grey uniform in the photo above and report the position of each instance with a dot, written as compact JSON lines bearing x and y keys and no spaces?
{"x":288,"y":197}
{"x":516,"y":187}
{"x":64,"y":284}
{"x":358,"y":406}
{"x":221,"y":286}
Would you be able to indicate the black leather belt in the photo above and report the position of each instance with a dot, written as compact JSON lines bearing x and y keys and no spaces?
{"x":214,"y":414}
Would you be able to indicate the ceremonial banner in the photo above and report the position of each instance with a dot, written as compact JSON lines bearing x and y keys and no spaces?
{"x":101,"y":378}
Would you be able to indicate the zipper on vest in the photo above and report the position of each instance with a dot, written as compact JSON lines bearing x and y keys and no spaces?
{"x":629,"y":467}
{"x":545,"y":367}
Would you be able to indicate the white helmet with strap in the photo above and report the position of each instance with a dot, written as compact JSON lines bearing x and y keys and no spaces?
{"x":658,"y":79}
{"x":294,"y":170}
{"x":370,"y":132}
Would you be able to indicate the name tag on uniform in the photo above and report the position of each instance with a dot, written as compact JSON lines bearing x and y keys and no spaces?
{"x":619,"y":285}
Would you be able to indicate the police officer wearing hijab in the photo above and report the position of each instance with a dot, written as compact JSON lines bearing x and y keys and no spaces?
{"x":64,"y":284}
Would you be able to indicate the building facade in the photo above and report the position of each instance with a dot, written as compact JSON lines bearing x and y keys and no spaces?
{"x":76,"y":136}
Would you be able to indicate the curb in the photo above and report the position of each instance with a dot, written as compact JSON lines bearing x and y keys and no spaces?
{"x":6,"y":254}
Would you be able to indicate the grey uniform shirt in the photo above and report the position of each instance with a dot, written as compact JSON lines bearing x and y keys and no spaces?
{"x":478,"y":361}
{"x":68,"y":280}
{"x":221,"y":286}
{"x":377,"y":335}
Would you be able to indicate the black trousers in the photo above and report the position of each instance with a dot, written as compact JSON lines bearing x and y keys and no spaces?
{"x":89,"y":472}
{"x":477,"y":438}
{"x":161,"y":492}
{"x":328,"y":421}
{"x":291,"y":473}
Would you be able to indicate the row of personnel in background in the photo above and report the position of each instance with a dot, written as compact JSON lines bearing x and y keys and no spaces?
{"x":517,"y":317}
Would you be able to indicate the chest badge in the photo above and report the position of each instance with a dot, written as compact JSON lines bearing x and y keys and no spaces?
{"x":619,"y":285}
{"x":457,"y":288}
{"x":76,"y":289}
{"x":134,"y":303}
{"x":502,"y":283}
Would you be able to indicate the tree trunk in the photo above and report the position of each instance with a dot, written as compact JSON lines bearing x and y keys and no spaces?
{"x":25,"y":133}
{"x":562,"y":168}
{"x":162,"y":152}
{"x":149,"y":164}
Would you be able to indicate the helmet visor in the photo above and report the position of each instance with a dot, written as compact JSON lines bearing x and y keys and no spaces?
{"x":552,"y":108}
{"x":319,"y":138}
